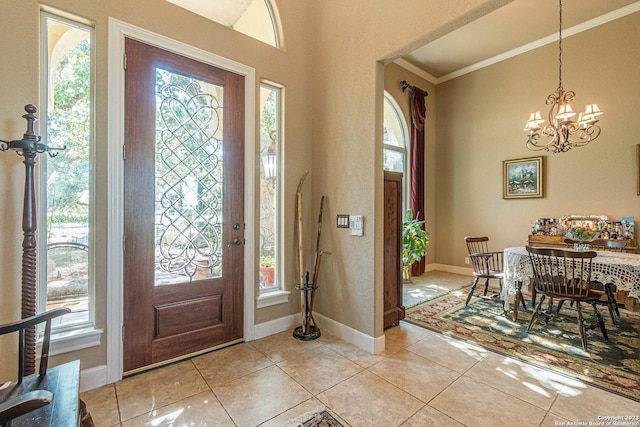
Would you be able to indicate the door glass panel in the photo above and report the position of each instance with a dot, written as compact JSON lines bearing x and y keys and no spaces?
{"x":189,"y":179}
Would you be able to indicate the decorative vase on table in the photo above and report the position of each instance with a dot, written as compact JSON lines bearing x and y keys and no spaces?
{"x":583,"y":235}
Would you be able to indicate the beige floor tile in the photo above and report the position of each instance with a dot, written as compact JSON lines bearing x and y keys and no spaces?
{"x":202,"y":409}
{"x":319,"y":369}
{"x":587,"y":403}
{"x":300,"y":414}
{"x":260,"y":396}
{"x":356,"y":354}
{"x":404,"y":335}
{"x":478,"y":405}
{"x":151,"y":390}
{"x":430,"y":417}
{"x":230,"y":363}
{"x":282,"y":346}
{"x":414,"y":374}
{"x":367,"y":400}
{"x":552,"y":420}
{"x":529,"y":383}
{"x":102,"y":404}
{"x":454,"y":354}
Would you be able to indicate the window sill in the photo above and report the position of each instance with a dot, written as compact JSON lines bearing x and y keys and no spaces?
{"x":68,"y":341}
{"x":272,"y":298}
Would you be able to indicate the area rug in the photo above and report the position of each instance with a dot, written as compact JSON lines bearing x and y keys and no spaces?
{"x":431,"y":285}
{"x":613,"y":365}
{"x":323,"y":419}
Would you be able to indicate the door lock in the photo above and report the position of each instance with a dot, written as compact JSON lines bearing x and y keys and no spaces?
{"x":235,"y":242}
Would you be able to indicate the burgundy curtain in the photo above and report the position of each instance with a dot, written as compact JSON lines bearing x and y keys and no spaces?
{"x":418,"y":115}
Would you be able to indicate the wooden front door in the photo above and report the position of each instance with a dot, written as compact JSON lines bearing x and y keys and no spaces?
{"x":183,"y":204}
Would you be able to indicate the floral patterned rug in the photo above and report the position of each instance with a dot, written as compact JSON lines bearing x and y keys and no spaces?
{"x":613,"y":365}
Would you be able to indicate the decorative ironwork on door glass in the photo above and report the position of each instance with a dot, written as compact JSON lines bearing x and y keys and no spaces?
{"x":189,"y":179}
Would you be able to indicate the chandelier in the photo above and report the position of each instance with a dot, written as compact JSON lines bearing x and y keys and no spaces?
{"x":564,"y":131}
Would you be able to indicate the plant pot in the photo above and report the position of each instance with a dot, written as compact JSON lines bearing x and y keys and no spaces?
{"x":406,"y":273}
{"x":268,"y":276}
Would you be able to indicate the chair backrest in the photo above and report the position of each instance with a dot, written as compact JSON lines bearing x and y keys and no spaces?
{"x":561,"y":272}
{"x":477,"y":245}
{"x":483,"y":265}
{"x":21,"y":326}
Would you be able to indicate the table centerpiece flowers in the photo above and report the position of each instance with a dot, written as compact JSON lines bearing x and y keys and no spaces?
{"x":583,"y":235}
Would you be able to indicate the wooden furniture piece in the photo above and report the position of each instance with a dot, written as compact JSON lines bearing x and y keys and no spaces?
{"x":621,"y":269}
{"x":393,"y":309}
{"x":607,"y":290}
{"x":559,"y":242}
{"x":48,"y":397}
{"x":486,"y":264}
{"x":565,"y":275}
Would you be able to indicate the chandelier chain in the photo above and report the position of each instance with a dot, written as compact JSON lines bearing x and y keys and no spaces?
{"x":560,"y":50}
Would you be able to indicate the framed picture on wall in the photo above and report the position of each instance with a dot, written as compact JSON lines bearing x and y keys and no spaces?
{"x":522,"y":178}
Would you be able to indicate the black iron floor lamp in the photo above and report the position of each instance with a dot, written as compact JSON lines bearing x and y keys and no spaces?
{"x":29,"y":147}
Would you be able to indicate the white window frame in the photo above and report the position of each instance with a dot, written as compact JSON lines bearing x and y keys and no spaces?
{"x":404,"y":149}
{"x":80,"y":335}
{"x":277,"y":294}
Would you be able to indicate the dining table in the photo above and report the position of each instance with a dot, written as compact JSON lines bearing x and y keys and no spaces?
{"x":618,"y":268}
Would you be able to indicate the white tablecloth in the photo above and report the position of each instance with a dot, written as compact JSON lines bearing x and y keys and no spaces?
{"x":621,"y":269}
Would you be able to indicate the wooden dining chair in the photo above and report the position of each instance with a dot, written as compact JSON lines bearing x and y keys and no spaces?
{"x":565,"y":275}
{"x":22,"y":404}
{"x":607,"y":290}
{"x":486,"y":264}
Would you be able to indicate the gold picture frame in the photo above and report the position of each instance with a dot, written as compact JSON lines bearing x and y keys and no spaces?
{"x":522,"y":178}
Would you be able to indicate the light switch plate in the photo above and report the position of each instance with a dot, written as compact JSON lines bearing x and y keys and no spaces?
{"x":343,"y":221}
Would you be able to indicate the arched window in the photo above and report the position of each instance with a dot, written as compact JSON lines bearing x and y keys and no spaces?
{"x":396,"y":137}
{"x":255,"y":18}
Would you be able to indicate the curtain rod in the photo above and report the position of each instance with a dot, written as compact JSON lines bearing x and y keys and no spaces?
{"x":406,"y":85}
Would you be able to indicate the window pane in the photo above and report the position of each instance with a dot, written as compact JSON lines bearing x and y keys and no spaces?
{"x":269,"y":174}
{"x":68,"y":180}
{"x":189,"y":179}
{"x":393,"y":161}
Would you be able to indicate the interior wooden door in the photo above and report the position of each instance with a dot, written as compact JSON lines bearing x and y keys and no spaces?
{"x":393,"y":308}
{"x":184,"y":213}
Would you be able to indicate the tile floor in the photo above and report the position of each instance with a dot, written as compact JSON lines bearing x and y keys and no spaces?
{"x":423,"y":379}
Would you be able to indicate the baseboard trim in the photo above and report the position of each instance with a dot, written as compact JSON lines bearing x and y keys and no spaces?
{"x":450,"y":269}
{"x":93,"y":378}
{"x":276,"y":326}
{"x":350,"y":335}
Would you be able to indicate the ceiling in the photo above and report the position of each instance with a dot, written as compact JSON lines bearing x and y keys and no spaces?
{"x":510,"y":30}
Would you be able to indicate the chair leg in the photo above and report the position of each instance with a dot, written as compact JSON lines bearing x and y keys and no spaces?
{"x":486,"y":287}
{"x":612,"y":305}
{"x":560,"y":305}
{"x":549,"y":311}
{"x":600,"y":322}
{"x":518,"y":291}
{"x":582,"y":328}
{"x":473,"y":288}
{"x":536,"y":313}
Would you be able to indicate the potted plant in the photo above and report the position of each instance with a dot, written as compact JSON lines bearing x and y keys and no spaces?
{"x":414,"y":243}
{"x":267,"y":270}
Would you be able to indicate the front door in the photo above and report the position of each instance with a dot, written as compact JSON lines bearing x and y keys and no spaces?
{"x":183,"y":204}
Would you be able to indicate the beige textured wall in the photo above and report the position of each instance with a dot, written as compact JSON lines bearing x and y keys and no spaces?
{"x":479,"y":124}
{"x":393,"y":75}
{"x":352,"y":39}
{"x":19,"y":85}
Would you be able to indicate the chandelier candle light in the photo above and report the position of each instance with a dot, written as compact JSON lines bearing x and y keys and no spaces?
{"x":564,"y":131}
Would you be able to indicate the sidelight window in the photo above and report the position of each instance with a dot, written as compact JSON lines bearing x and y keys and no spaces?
{"x":66,"y":253}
